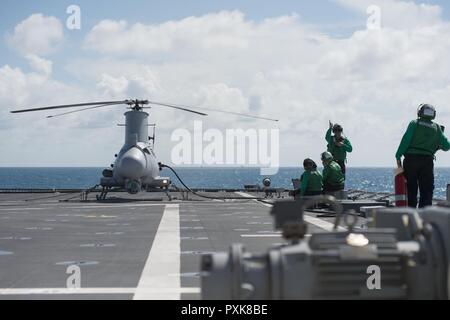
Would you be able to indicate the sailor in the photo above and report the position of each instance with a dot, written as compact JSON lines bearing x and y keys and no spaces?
{"x":311,"y":180}
{"x":333,"y":178}
{"x":422,"y":140}
{"x":338,"y":145}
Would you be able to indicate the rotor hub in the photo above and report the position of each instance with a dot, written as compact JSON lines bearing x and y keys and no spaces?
{"x":136,"y":104}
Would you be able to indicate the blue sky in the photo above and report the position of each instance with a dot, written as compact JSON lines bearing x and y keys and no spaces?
{"x":321,"y":12}
{"x":159,"y":11}
{"x":325,"y":15}
{"x":316,"y":62}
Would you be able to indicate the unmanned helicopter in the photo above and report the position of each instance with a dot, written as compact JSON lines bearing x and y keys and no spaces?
{"x":135,"y":168}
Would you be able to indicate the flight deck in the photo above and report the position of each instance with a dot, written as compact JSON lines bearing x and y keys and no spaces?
{"x":130,"y":247}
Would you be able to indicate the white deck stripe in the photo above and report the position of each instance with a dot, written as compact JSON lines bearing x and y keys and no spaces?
{"x":246,"y":195}
{"x":22,"y":209}
{"x":112,"y":206}
{"x":261,"y":235}
{"x":82,"y":207}
{"x":325,"y":225}
{"x":266,"y":235}
{"x":163,"y":260}
{"x":58,"y":291}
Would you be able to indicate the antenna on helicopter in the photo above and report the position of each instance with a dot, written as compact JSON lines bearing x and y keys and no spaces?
{"x":152,"y":138}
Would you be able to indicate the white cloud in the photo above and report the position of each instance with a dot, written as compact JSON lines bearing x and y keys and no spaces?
{"x":39,"y":64}
{"x":29,"y":139}
{"x":371,"y":81}
{"x":38,"y":34}
{"x":222,"y":97}
{"x":17,"y":87}
{"x":399,"y":14}
{"x":224,"y":31}
{"x":113,"y":87}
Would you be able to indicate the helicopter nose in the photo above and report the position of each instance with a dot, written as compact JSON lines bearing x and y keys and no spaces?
{"x":133,"y":164}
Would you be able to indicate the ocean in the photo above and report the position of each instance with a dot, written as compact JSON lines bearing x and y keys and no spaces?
{"x":368,"y":179}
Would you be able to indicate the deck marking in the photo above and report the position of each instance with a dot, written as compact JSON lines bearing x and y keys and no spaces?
{"x":325,"y":225}
{"x":112,"y":206}
{"x":246,"y":195}
{"x":163,"y":260}
{"x":322,"y":224}
{"x":22,"y":209}
{"x":266,"y":235}
{"x":261,"y":235}
{"x":58,"y":291}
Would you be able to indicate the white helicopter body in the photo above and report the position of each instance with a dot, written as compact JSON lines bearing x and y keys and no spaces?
{"x":136,"y":167}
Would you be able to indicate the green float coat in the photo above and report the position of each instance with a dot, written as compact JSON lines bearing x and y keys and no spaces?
{"x":332,"y":174}
{"x":311,"y":182}
{"x":339,"y":153}
{"x":422,"y":137}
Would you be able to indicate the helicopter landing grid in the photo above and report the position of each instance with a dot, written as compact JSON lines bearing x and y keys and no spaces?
{"x":128,"y":250}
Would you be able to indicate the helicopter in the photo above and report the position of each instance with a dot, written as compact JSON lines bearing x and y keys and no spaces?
{"x":135,"y":168}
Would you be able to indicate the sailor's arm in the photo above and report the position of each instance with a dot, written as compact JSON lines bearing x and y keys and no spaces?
{"x":406,"y":141}
{"x":320,"y":175}
{"x":325,"y":174}
{"x":348,"y":146}
{"x":328,"y":136}
{"x":444,"y":144}
{"x":304,"y":185}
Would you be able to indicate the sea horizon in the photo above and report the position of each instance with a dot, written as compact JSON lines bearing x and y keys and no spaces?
{"x":371,"y":179}
{"x":201,"y":167}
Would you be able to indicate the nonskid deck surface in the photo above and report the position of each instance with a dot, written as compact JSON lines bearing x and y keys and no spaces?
{"x":124,"y":250}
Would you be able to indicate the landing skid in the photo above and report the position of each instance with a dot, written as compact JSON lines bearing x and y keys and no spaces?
{"x":106,"y":190}
{"x":103,"y":194}
{"x":166,"y":191}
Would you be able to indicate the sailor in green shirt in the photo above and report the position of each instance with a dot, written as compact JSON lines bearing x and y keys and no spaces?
{"x":422,"y":140}
{"x":333,"y":178}
{"x":311,"y":179}
{"x":338,"y":145}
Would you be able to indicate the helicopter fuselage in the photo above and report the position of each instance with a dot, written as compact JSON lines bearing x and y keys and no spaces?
{"x":136,"y":167}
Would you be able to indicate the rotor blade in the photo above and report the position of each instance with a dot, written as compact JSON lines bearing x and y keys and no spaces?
{"x":79,"y":110}
{"x":71,"y":106}
{"x":213,"y":110}
{"x":240,"y":114}
{"x":177,"y":107}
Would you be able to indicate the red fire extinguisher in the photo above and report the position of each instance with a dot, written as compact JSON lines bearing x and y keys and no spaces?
{"x":401,"y":191}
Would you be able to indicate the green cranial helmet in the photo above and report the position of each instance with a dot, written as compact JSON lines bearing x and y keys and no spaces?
{"x":309,"y":163}
{"x":426,"y":111}
{"x":337,"y":128}
{"x":326,"y":156}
